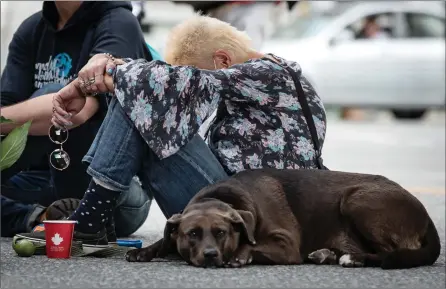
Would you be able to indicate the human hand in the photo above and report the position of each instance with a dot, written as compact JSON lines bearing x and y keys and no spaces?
{"x":91,"y":76}
{"x":68,"y":102}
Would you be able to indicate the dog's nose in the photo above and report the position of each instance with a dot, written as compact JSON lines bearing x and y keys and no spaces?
{"x":210,"y":253}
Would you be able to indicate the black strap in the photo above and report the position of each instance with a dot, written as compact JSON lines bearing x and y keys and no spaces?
{"x":308,"y":116}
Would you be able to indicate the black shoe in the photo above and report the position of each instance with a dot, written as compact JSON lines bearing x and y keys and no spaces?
{"x":58,"y":210}
{"x":90,"y":243}
{"x":61,"y":209}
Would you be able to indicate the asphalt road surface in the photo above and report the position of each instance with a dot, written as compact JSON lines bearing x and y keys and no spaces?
{"x":411,"y":153}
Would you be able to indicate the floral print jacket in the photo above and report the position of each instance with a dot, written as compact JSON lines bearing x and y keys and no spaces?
{"x":264,"y":125}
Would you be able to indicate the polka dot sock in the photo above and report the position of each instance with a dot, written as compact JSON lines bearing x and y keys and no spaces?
{"x":95,"y":209}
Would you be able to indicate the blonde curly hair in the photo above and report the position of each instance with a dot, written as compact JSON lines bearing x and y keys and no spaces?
{"x":194,"y":42}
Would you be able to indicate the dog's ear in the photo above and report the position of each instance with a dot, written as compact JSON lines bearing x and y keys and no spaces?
{"x":170,"y":234}
{"x":246,"y":221}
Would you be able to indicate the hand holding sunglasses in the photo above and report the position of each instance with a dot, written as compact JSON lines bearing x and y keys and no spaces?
{"x":58,"y":132}
{"x":71,"y":100}
{"x":59,"y":159}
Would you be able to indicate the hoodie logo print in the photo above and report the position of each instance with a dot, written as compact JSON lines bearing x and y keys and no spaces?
{"x":62,"y":64}
{"x":56,"y":70}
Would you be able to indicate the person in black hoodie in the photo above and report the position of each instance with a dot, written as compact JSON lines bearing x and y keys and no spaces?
{"x":46,"y":52}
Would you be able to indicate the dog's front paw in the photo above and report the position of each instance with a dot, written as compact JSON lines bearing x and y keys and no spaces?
{"x":140,"y":255}
{"x":241,"y":257}
{"x":323,"y":256}
{"x":237,"y":263}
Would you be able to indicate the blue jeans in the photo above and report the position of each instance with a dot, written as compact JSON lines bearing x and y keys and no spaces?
{"x":29,"y":181}
{"x":18,"y":217}
{"x":119,"y":153}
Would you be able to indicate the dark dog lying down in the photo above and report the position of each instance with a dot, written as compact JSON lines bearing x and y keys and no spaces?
{"x":273,"y":216}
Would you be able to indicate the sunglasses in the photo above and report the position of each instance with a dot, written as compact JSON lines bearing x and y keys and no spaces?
{"x":59,"y":159}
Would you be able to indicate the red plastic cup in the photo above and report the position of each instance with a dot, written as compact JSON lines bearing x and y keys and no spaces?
{"x":59,"y":238}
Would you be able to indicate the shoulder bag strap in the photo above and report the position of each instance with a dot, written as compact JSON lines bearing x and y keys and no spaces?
{"x":308,"y":116}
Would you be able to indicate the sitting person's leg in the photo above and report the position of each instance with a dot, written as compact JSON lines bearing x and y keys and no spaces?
{"x":28,"y":180}
{"x":132,"y":207}
{"x":18,"y":217}
{"x":30,"y":187}
{"x":116,"y":156}
{"x":174,"y":180}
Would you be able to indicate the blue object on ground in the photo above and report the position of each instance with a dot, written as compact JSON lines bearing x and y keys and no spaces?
{"x":130,"y":243}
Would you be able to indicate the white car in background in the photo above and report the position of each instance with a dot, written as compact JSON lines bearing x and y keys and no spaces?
{"x":404,"y":72}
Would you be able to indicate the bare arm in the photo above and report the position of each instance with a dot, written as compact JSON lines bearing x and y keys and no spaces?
{"x":39,"y":109}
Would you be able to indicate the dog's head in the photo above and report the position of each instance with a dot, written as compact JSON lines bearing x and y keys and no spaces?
{"x":208,"y":233}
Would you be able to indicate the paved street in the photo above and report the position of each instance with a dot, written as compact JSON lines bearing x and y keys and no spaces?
{"x":411,"y":153}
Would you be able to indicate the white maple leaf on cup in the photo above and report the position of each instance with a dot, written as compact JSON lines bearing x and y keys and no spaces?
{"x":57,"y":240}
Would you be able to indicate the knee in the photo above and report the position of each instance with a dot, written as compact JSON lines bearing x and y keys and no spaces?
{"x":46,"y":89}
{"x":116,"y":111}
{"x":136,"y":195}
{"x":132,"y":210}
{"x":129,"y":219}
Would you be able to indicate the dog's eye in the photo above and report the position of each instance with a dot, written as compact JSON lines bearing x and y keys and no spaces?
{"x":220,"y":233}
{"x":193,"y":233}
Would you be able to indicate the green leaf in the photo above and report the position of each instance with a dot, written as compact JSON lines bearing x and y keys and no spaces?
{"x":13,"y":145}
{"x":5,"y":120}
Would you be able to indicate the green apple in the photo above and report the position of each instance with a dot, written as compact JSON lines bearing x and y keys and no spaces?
{"x":23,"y":248}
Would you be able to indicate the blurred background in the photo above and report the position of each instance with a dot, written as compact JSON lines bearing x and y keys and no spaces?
{"x":377,"y":56}
{"x":379,"y":67}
